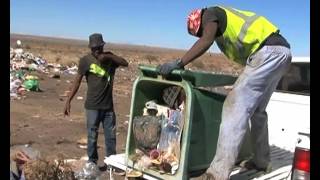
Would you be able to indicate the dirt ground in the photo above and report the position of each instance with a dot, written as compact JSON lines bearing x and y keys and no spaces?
{"x":38,"y":121}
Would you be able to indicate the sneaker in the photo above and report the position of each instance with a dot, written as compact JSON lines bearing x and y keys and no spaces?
{"x":103,"y":168}
{"x":249,"y":164}
{"x":115,"y":170}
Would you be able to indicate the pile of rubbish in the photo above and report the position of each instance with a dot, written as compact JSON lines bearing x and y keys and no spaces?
{"x":23,"y":65}
{"x":157,"y":133}
{"x":26,"y":163}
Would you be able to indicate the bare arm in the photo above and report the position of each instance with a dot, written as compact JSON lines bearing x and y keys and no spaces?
{"x":75,"y":86}
{"x":74,"y":90}
{"x":202,"y":45}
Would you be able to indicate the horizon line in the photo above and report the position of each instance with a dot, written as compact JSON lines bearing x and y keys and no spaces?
{"x":110,"y":42}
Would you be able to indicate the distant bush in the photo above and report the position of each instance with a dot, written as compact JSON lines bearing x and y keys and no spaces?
{"x":151,"y":58}
{"x":197,"y":64}
{"x":27,"y":47}
{"x":58,"y":58}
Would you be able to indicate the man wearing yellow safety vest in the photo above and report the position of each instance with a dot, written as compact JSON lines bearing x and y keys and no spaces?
{"x":99,"y":69}
{"x":253,"y":41}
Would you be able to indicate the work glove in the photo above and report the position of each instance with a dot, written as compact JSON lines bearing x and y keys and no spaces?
{"x":168,"y":67}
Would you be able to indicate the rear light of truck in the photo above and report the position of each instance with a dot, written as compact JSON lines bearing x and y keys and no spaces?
{"x":301,"y":164}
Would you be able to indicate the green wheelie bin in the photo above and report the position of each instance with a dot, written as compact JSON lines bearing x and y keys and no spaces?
{"x":201,"y":119}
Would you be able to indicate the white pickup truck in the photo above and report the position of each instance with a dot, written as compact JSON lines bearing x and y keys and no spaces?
{"x":289,"y":126}
{"x":289,"y":129}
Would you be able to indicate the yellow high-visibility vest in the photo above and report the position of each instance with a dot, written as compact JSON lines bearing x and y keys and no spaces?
{"x":99,"y":71}
{"x":245,"y":31}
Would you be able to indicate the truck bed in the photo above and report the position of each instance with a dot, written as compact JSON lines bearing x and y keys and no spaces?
{"x":281,"y":161}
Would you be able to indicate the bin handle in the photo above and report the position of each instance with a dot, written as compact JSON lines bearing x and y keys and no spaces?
{"x":152,"y":71}
{"x":197,"y":79}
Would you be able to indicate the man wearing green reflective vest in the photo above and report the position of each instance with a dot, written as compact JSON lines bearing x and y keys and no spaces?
{"x":99,"y":69}
{"x":254,"y":42}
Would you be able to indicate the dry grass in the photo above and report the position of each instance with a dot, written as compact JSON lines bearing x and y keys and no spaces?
{"x":151,"y":58}
{"x":45,"y":169}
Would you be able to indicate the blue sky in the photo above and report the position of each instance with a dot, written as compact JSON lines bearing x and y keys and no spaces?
{"x":149,"y":22}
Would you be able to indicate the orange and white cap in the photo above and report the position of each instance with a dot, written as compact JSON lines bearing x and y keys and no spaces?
{"x":194,"y":21}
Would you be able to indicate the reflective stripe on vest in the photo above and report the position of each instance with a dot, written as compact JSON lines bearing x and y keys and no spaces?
{"x":99,"y":71}
{"x":245,"y":31}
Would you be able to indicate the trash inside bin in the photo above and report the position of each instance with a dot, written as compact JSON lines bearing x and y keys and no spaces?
{"x":146,"y":131}
{"x":158,"y":137}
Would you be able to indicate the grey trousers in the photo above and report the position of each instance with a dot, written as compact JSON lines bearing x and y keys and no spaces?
{"x":248,"y":100}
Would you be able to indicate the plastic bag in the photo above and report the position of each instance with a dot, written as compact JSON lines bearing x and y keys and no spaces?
{"x":169,"y":143}
{"x":170,"y":130}
{"x":89,"y":172}
{"x":146,"y":131}
{"x":144,"y":163}
{"x":14,"y":85}
{"x":31,"y":83}
{"x":32,"y":153}
{"x":20,"y":155}
{"x":19,"y":74}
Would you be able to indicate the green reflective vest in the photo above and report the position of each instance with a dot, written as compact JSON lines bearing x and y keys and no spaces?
{"x":245,"y":31}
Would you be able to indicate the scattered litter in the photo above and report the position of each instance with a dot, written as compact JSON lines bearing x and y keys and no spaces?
{"x":36,"y":116}
{"x":56,"y":76}
{"x":63,"y":141}
{"x":65,"y":94}
{"x":31,"y":83}
{"x":23,"y":63}
{"x":82,"y":141}
{"x":79,"y":98}
{"x":14,"y":85}
{"x":76,"y":164}
{"x":89,"y":172}
{"x":27,"y":145}
{"x":86,"y":158}
{"x":18,"y":43}
{"x":133,"y":174}
{"x":82,"y":146}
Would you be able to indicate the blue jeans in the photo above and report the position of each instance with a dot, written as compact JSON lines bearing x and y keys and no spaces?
{"x":108,"y":120}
